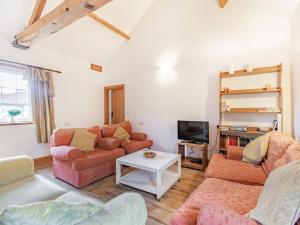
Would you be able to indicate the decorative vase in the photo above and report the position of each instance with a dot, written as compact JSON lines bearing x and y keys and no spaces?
{"x":12,"y":119}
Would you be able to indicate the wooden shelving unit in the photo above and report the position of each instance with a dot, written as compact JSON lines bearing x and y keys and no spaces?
{"x":242,"y":73}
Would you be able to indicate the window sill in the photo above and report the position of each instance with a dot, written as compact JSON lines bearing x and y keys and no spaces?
{"x":16,"y":123}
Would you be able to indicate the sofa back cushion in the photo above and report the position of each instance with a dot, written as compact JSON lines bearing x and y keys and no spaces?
{"x":109,"y":130}
{"x":83,"y":140}
{"x":278,"y":144}
{"x":62,"y":137}
{"x":291,"y":154}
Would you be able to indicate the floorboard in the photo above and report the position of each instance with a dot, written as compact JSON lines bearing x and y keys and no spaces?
{"x":159,"y":212}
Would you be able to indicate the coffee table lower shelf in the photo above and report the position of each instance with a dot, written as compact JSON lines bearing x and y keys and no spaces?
{"x":146,"y":181}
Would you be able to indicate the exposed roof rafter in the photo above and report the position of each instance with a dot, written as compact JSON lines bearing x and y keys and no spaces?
{"x":109,"y":25}
{"x":37,"y":11}
{"x":66,"y":13}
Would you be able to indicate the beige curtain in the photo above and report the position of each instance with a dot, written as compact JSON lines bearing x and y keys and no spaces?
{"x":42,"y":93}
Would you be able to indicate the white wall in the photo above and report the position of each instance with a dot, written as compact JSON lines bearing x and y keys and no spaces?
{"x":78,"y":101}
{"x":295,"y":51}
{"x":170,"y":66}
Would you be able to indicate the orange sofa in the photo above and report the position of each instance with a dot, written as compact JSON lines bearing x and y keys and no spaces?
{"x":82,"y":168}
{"x":232,"y":187}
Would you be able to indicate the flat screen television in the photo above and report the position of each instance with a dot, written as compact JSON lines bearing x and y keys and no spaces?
{"x":193,"y":131}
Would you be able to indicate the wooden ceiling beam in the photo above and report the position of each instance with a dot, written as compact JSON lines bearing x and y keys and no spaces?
{"x":109,"y":25}
{"x":66,"y":13}
{"x":222,"y":3}
{"x":37,"y":11}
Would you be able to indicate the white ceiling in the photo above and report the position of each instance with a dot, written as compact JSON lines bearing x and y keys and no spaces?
{"x":85,"y":38}
{"x":91,"y":41}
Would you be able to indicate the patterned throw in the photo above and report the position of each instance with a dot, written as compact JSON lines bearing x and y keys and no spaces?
{"x":48,"y":213}
{"x":279,"y":202}
{"x":256,"y":150}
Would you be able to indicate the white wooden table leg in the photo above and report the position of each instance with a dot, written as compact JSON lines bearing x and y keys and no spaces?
{"x":118,"y":172}
{"x":179,"y":167}
{"x":158,"y":184}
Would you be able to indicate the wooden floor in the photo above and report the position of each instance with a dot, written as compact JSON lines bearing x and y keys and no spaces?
{"x":159,"y":212}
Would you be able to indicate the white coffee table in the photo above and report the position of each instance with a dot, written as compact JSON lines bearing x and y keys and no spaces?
{"x":151,"y":175}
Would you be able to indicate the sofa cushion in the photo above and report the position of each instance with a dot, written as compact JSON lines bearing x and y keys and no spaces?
{"x":62,"y":137}
{"x":108,"y":143}
{"x":83,"y":140}
{"x":240,"y":198}
{"x":95,"y":130}
{"x":138,"y":136}
{"x":291,"y":154}
{"x":28,"y":190}
{"x":109,"y":130}
{"x":233,"y":170}
{"x":279,"y":143}
{"x":121,"y":134}
{"x":256,"y":150}
{"x":134,"y":146}
{"x":65,"y":152}
{"x":96,"y":157}
{"x":279,"y":202}
{"x":216,"y":214}
{"x":15,"y":168}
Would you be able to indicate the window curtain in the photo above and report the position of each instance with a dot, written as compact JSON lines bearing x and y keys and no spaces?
{"x":42,"y":93}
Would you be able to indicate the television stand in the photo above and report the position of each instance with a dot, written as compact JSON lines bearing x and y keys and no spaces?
{"x":190,"y":162}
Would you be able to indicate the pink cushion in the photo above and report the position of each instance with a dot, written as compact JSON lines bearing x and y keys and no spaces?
{"x":66,"y":153}
{"x":109,"y":130}
{"x":237,"y":171}
{"x":108,"y":143}
{"x":240,"y":198}
{"x":235,"y":153}
{"x":96,"y":157}
{"x":62,"y":137}
{"x":133,"y":146}
{"x":216,"y":214}
{"x":138,"y":136}
{"x":279,"y":143}
{"x":95,"y":130}
{"x":291,"y":154}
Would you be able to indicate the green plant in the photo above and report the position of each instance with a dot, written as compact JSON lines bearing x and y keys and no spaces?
{"x":14,"y":112}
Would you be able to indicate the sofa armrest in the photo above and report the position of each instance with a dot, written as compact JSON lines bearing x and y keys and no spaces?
{"x":15,"y":168}
{"x":235,"y":153}
{"x":216,"y":214}
{"x":108,"y":143}
{"x":66,"y":153}
{"x":138,"y":136}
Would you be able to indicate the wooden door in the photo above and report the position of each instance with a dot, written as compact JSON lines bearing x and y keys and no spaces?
{"x":114,"y":104}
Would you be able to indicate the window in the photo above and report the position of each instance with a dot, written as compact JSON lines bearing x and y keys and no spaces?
{"x":14,"y":94}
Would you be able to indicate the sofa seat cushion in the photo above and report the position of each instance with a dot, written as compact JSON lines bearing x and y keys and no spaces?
{"x":240,"y":198}
{"x":28,"y":190}
{"x":108,"y":143}
{"x":133,"y":146}
{"x":96,"y":157}
{"x":237,"y":171}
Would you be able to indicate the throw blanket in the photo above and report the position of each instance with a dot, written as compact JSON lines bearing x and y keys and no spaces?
{"x":48,"y":213}
{"x":279,"y":202}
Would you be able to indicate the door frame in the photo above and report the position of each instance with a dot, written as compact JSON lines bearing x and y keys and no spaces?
{"x":106,"y":100}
